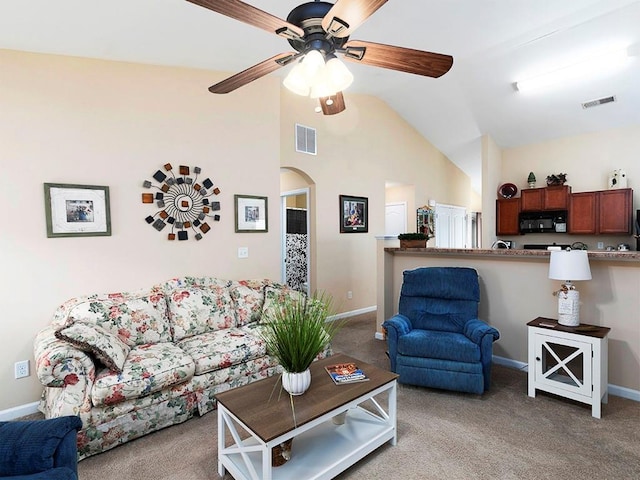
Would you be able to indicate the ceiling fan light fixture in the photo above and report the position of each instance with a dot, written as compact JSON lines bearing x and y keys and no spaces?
{"x":338,"y":75}
{"x":296,"y":81}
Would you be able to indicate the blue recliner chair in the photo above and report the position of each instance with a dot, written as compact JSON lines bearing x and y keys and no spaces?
{"x":40,"y":449}
{"x":436,"y":339}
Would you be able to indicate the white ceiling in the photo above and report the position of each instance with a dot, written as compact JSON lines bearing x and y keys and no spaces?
{"x":493,"y":42}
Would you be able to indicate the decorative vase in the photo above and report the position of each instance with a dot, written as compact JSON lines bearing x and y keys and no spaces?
{"x":296,"y":383}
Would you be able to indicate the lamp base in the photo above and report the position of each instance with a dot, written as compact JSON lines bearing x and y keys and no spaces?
{"x":569,"y":308}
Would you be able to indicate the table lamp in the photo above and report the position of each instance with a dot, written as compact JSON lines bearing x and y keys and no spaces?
{"x":569,"y":265}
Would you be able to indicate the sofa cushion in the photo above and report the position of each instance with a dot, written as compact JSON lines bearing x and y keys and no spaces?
{"x":442,"y":345}
{"x":148,"y":368}
{"x":275,"y":295}
{"x":222,"y":348}
{"x":248,"y":297}
{"x":196,"y":310}
{"x":107,"y":347}
{"x":137,"y":319}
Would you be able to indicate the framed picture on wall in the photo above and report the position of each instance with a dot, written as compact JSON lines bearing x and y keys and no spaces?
{"x":354,"y":214}
{"x":77,"y":210}
{"x":251,"y":214}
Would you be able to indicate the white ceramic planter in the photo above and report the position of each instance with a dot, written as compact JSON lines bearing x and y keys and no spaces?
{"x":296,"y":383}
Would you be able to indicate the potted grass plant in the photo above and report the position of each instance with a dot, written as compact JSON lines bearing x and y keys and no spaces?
{"x":296,"y":331}
{"x":413,"y":240}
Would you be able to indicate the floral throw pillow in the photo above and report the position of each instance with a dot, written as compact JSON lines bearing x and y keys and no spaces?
{"x":107,"y":347}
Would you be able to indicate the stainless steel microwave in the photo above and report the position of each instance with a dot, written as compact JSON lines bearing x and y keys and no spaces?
{"x":543,"y":222}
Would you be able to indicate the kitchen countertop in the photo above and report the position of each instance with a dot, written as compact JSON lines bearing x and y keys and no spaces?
{"x":633,"y":256}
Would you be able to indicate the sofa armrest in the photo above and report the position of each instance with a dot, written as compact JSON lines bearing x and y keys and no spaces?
{"x":30,"y":447}
{"x":483,"y":335}
{"x":67,"y":373}
{"x":476,"y":329}
{"x":399,"y":323}
{"x":396,"y":326}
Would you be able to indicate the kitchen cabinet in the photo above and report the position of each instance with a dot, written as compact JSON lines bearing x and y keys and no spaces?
{"x":507,"y":211}
{"x":601,"y":212}
{"x":548,"y":198}
{"x":614,"y":211}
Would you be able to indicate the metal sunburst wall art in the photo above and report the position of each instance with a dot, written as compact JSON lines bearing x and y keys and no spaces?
{"x":184,"y":204}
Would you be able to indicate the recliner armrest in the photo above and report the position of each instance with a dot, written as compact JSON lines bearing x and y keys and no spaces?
{"x":400,"y":323}
{"x":476,"y":329}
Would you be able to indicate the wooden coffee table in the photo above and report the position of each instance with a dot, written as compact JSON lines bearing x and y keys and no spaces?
{"x":259,"y":418}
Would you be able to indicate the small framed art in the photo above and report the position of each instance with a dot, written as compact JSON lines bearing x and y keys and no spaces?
{"x":354,"y":214}
{"x":77,"y":210}
{"x":251,"y":214}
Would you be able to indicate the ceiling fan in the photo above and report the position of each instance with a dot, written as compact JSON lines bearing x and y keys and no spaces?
{"x":319,"y":31}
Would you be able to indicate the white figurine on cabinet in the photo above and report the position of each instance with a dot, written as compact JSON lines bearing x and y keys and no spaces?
{"x":618,"y":179}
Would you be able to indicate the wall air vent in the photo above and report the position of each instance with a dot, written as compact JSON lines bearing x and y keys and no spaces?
{"x":306,"y":140}
{"x":600,"y":101}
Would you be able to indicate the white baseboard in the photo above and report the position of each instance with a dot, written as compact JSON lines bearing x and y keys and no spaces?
{"x":623,"y":392}
{"x":19,"y":411}
{"x":352,"y":313}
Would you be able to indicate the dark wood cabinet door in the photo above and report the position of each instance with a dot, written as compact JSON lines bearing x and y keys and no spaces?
{"x":583,"y":213}
{"x":507,"y":211}
{"x":556,"y":198}
{"x":614,"y":209}
{"x":531,"y":199}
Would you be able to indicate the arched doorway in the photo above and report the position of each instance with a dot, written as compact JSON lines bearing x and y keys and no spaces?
{"x":297,"y":199}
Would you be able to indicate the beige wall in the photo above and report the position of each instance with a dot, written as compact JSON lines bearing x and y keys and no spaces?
{"x":79,"y":121}
{"x":358,"y":152}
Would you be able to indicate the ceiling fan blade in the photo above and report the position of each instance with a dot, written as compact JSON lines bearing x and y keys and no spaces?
{"x":347,"y":15}
{"x":336,"y":106}
{"x":253,"y":73}
{"x":402,"y":59}
{"x":253,"y":16}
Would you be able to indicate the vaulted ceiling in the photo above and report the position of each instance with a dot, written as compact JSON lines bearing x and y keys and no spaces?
{"x":493,"y":42}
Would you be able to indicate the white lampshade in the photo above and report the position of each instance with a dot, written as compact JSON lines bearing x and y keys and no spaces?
{"x":296,"y":81}
{"x":337,"y":74}
{"x":569,"y":265}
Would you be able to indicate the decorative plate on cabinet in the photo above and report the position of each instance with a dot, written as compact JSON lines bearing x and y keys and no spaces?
{"x":507,"y":190}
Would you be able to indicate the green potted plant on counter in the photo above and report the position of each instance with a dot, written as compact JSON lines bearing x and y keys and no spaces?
{"x":413,"y":240}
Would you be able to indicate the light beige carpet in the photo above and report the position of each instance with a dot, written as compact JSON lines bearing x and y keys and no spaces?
{"x":502,"y":434}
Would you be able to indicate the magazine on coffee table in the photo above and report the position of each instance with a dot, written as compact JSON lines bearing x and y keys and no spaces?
{"x":343,"y":373}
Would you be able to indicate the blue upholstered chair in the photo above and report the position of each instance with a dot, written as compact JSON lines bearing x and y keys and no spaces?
{"x":436,"y":339}
{"x":40,"y":449}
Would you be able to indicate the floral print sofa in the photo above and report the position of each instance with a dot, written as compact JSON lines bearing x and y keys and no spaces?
{"x":132,"y":363}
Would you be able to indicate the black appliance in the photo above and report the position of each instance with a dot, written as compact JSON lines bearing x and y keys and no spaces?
{"x":543,"y":222}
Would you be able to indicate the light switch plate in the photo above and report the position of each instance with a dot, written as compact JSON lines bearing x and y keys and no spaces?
{"x":243,"y":252}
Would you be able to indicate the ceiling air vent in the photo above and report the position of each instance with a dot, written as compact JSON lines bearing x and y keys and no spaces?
{"x":306,"y":139}
{"x":600,"y":101}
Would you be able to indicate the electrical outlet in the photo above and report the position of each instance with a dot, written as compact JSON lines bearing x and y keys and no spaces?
{"x":349,"y":294}
{"x":22,"y":369}
{"x":600,"y":245}
{"x":243,"y":252}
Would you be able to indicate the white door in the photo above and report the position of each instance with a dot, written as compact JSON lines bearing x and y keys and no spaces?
{"x":395,"y":219}
{"x":451,"y":226}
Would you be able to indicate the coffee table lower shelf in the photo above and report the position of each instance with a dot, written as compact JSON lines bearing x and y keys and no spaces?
{"x":320,"y":450}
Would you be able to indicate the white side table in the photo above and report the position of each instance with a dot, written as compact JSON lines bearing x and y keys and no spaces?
{"x":569,"y":361}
